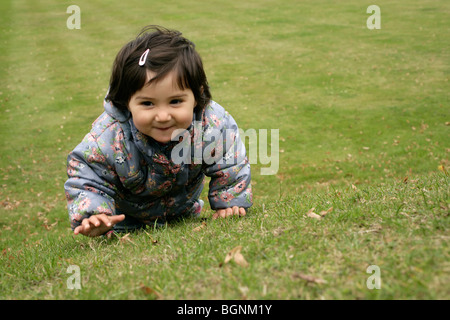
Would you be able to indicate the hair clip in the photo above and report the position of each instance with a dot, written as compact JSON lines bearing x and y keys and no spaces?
{"x":143,"y":58}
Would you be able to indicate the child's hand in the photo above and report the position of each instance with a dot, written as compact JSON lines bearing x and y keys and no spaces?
{"x":97,"y":225}
{"x":224,"y":213}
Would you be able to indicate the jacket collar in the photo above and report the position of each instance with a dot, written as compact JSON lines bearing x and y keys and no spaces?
{"x":115,"y":112}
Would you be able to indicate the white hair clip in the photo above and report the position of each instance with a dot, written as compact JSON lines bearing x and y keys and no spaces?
{"x":143,"y":58}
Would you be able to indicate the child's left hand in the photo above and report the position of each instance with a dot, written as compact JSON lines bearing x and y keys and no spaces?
{"x":224,"y":213}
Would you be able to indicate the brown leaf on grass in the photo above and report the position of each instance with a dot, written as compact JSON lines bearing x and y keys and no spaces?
{"x":154,"y":241}
{"x":49,"y":227}
{"x":375,"y":228}
{"x":308,"y":278}
{"x":126,"y":238}
{"x":278,"y":231}
{"x":442,"y":168}
{"x":231,"y":254}
{"x":312,"y":214}
{"x":9,"y":204}
{"x":240,"y":260}
{"x":323,"y":213}
{"x":200,"y":227}
{"x":237,"y":256}
{"x":151,"y":291}
{"x":244,"y":292}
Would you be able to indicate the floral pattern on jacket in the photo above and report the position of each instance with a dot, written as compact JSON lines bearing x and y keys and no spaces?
{"x":116,"y":169}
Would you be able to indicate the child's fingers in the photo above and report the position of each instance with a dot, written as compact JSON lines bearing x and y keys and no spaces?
{"x":96,"y":220}
{"x":219,"y":214}
{"x":102,"y":219}
{"x":116,"y":219}
{"x":228,"y":212}
{"x":97,"y":224}
{"x":77,"y":230}
{"x":83,"y":228}
{"x":86,"y":224}
{"x":239,"y":211}
{"x":224,"y":213}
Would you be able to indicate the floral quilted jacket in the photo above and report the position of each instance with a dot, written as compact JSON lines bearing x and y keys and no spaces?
{"x":116,"y":169}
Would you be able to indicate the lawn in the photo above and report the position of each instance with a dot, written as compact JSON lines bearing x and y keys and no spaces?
{"x":363,"y":119}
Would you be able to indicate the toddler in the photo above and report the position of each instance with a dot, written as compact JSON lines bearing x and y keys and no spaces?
{"x":145,"y":159}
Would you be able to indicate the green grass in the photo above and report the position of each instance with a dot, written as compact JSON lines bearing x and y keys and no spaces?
{"x":401,"y":227}
{"x":368,"y":108}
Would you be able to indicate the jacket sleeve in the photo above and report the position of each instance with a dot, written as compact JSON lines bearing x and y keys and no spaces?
{"x":91,"y":186}
{"x":225,"y":161}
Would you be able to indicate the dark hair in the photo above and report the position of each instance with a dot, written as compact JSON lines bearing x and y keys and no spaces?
{"x":169,"y":51}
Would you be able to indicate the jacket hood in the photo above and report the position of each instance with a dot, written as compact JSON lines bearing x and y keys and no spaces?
{"x":115,"y":112}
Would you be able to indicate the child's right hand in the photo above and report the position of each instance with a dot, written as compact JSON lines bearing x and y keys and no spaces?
{"x":98,"y":224}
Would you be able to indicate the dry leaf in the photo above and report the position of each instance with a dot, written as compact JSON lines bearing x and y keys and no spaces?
{"x":200,"y":227}
{"x":442,"y":168}
{"x":240,"y":260}
{"x":230,"y":254}
{"x":126,"y":238}
{"x":49,"y":227}
{"x":308,"y":278}
{"x":151,"y":291}
{"x":244,"y":292}
{"x":312,"y":214}
{"x":323,"y":213}
{"x":354,"y":187}
{"x":154,"y":241}
{"x":277,"y":231}
{"x":236,"y":255}
{"x":376,"y":228}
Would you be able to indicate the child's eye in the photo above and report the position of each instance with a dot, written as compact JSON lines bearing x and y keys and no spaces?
{"x":176,"y":101}
{"x":147,"y":103}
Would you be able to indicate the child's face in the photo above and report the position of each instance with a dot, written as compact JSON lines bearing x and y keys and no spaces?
{"x":160,"y":108}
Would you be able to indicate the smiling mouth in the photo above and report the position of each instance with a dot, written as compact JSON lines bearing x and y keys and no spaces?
{"x":165,"y":128}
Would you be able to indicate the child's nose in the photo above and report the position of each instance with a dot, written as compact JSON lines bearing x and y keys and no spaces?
{"x":163,"y":116}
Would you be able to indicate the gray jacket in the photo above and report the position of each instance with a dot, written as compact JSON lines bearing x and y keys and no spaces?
{"x":116,"y":169}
